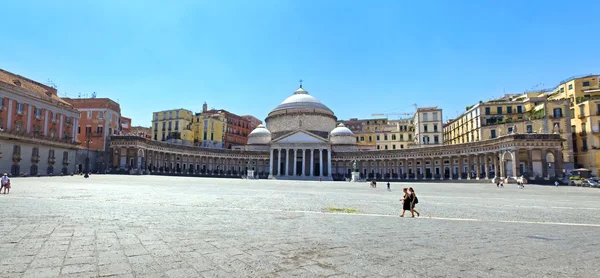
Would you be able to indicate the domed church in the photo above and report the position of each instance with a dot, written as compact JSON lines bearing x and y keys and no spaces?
{"x":300,"y":135}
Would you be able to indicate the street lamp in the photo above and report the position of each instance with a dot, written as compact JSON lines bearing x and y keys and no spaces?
{"x":87,"y":159}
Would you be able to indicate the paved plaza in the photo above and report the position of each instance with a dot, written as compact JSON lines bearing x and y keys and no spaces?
{"x":154,"y":226}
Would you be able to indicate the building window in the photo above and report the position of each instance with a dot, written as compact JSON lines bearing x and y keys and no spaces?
{"x":510,"y":130}
{"x":362,"y":138}
{"x":20,"y":107}
{"x":425,"y":118}
{"x":385,"y":147}
{"x":519,"y":109}
{"x":572,"y":113}
{"x":88,"y":129}
{"x":385,"y":137}
{"x":370,"y":139}
{"x":557,"y":113}
{"x":582,"y":110}
{"x":499,"y":110}
{"x":99,"y":130}
{"x":393,"y":147}
{"x":435,"y":128}
{"x":101,"y":115}
{"x":401,"y":146}
{"x":394,"y":137}
{"x":584,"y":144}
{"x":487,"y":111}
{"x":529,"y":129}
{"x":436,"y":139}
{"x":89,"y":114}
{"x":435,"y":116}
{"x":586,"y":83}
{"x":377,"y":137}
{"x":204,"y":137}
{"x":38,"y":113}
{"x":570,"y":86}
{"x":509,"y":110}
{"x":492,"y":133}
{"x":401,"y":137}
{"x":378,"y":147}
{"x":425,"y":128}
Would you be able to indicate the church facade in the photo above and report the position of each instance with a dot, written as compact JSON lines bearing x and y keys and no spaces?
{"x":300,"y":140}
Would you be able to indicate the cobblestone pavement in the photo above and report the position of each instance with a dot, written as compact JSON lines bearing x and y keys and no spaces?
{"x":149,"y":226}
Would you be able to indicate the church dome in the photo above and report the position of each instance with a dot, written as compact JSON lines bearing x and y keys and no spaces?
{"x":342,"y":130}
{"x":301,"y":99}
{"x":260,"y":135}
{"x":341,"y":135}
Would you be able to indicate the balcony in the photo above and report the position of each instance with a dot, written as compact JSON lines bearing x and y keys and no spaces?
{"x":584,"y":149}
{"x":582,"y":133}
{"x":51,"y":160}
{"x":97,"y":134}
{"x":581,"y":115}
{"x":598,"y":113}
{"x":35,"y":158}
{"x":16,"y":157}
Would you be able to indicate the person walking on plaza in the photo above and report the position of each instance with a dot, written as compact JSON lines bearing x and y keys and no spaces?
{"x":406,"y":203}
{"x":5,"y":181}
{"x":555,"y":183}
{"x":388,"y":185}
{"x":414,"y":201}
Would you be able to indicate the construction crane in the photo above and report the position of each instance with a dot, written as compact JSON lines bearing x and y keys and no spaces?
{"x":388,"y":114}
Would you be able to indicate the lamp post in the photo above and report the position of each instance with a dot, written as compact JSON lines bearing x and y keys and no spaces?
{"x":87,"y":159}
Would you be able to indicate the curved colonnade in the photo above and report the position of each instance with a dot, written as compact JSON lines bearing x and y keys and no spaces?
{"x":513,"y":155}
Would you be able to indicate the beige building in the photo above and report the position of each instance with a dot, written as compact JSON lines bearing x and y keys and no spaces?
{"x":513,"y":113}
{"x":428,"y":127}
{"x":397,"y":134}
{"x":583,"y":95}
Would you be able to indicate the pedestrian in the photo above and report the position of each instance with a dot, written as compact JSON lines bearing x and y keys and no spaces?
{"x":406,"y":203}
{"x":414,"y":201}
{"x":388,"y":184}
{"x":555,"y":183}
{"x":5,"y":181}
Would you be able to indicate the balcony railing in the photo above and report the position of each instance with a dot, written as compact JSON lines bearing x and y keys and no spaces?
{"x":582,"y":133}
{"x":584,"y":149}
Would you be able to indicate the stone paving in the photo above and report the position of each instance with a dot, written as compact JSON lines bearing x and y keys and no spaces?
{"x":148,"y":226}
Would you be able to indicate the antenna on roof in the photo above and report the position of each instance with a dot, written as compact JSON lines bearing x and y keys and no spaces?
{"x":94,"y":95}
{"x":79,"y":95}
{"x":51,"y":83}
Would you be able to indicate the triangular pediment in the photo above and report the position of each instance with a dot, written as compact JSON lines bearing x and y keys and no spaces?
{"x":300,"y":137}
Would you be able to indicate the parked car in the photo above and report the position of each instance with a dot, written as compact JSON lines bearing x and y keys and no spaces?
{"x":590,"y":183}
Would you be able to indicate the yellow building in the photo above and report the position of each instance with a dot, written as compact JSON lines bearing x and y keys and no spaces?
{"x":583,"y":94}
{"x":397,"y":134}
{"x":173,"y":126}
{"x":526,"y":113}
{"x":366,"y":131}
{"x":209,"y":130}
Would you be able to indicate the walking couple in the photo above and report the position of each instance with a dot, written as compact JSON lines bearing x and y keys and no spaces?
{"x":409,"y":201}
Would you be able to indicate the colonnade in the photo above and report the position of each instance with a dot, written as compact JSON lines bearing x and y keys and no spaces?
{"x":485,"y":165}
{"x":300,"y":162}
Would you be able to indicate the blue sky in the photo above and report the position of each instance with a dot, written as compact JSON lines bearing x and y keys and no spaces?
{"x":356,"y":57}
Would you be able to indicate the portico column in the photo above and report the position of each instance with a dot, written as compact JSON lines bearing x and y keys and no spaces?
{"x":294,"y":162}
{"x":487,"y":167}
{"x":278,"y":162}
{"x":287,"y":162}
{"x":451,"y":172}
{"x":515,"y":164}
{"x":321,"y":162}
{"x":414,"y":166}
{"x":469,"y":162}
{"x":478,"y":165}
{"x":303,"y":163}
{"x":530,"y":164}
{"x":460,"y":167}
{"x":558,"y":163}
{"x":271,"y":162}
{"x":544,"y":154}
{"x":502,"y":165}
{"x":329,"y":163}
{"x":312,"y":162}
{"x":496,"y":170}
